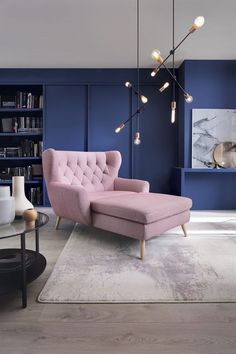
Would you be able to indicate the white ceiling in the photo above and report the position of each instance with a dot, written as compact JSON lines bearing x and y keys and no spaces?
{"x":102,"y":33}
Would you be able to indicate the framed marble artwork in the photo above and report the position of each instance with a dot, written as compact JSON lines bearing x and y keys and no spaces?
{"x":210,"y":127}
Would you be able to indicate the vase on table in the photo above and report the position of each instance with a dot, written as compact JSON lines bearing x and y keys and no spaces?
{"x":30,"y":216}
{"x":7,"y":206}
{"x":18,"y":191}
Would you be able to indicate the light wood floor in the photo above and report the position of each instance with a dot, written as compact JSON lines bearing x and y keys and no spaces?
{"x":108,"y":329}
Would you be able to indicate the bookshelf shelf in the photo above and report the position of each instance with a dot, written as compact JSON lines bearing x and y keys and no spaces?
{"x":9,"y":182}
{"x":20,"y":158}
{"x":21,"y":133}
{"x":21,"y":110}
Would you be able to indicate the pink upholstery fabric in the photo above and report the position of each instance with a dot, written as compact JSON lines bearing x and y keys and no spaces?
{"x":143,"y":208}
{"x":134,"y":185}
{"x":107,"y":194}
{"x":137,"y":230}
{"x":70,"y":175}
{"x":95,"y":171}
{"x":70,"y":202}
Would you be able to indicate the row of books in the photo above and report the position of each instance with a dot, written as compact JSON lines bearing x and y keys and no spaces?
{"x":31,"y":148}
{"x":28,"y":148}
{"x":21,"y":125}
{"x":30,"y":172}
{"x":22,"y":99}
{"x":34,"y":194}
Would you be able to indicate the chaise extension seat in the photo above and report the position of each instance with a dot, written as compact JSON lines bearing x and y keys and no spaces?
{"x":84,"y":187}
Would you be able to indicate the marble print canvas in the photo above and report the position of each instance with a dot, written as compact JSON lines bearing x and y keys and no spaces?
{"x":210,"y":127}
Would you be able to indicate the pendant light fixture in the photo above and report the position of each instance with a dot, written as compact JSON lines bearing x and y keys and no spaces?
{"x":156,"y":56}
{"x":141,"y":99}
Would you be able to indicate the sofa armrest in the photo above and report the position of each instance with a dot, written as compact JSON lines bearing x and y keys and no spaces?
{"x":70,"y":202}
{"x":132,"y":185}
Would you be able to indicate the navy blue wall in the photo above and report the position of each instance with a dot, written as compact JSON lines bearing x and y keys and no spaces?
{"x":212,"y":83}
{"x":84,"y":106}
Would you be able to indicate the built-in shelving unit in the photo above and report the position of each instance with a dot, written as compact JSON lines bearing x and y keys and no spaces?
{"x":21,"y":137}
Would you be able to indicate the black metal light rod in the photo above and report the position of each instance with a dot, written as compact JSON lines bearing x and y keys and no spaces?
{"x":174,"y":78}
{"x":133,"y":115}
{"x":173,"y":51}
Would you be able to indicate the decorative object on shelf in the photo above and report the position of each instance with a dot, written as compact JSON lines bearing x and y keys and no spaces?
{"x":225,"y":154}
{"x":30,"y":216}
{"x":213,"y":164}
{"x":18,"y":191}
{"x":156,"y":56}
{"x":7,"y":206}
{"x":211,"y":127}
{"x":140,"y":97}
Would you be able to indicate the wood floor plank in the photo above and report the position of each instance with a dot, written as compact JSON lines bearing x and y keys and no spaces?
{"x":118,"y":338}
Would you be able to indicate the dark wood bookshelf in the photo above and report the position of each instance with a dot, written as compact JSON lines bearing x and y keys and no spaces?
{"x":12,"y":119}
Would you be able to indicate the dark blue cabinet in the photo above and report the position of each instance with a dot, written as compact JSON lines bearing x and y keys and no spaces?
{"x":65,"y":117}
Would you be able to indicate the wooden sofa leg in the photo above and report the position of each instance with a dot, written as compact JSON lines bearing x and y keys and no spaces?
{"x":184,"y":230}
{"x":142,"y":249}
{"x":57,"y":222}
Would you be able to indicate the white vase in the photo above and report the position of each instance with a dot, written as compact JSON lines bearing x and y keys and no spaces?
{"x":18,"y":191}
{"x":7,"y":206}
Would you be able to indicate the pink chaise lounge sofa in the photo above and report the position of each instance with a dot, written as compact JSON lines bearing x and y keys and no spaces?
{"x":84,"y":187}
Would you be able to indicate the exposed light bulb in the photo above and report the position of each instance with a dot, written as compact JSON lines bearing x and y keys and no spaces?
{"x":128,"y":84}
{"x":173,"y":110}
{"x":156,"y":55}
{"x":137,"y":140}
{"x":118,"y":129}
{"x":154,"y":72}
{"x":198,"y":23}
{"x":188,"y":98}
{"x":163,"y":87}
{"x":144,"y":99}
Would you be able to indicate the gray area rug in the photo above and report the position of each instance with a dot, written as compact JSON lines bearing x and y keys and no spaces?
{"x":100,"y":267}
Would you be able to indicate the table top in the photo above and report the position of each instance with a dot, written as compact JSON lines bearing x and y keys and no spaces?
{"x":18,"y":226}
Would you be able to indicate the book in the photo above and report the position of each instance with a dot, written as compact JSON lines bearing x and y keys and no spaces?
{"x":7,"y":125}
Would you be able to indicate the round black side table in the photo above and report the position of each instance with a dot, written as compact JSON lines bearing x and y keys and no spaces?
{"x":18,"y":267}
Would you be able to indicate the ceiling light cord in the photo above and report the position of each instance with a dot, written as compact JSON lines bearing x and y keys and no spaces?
{"x":138,"y":71}
{"x":173,"y":47}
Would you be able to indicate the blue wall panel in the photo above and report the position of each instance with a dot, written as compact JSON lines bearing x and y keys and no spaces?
{"x":157,"y":153}
{"x":109,"y":106}
{"x":65,"y":117}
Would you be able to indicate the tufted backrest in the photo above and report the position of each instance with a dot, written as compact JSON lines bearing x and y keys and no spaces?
{"x":95,"y":171}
